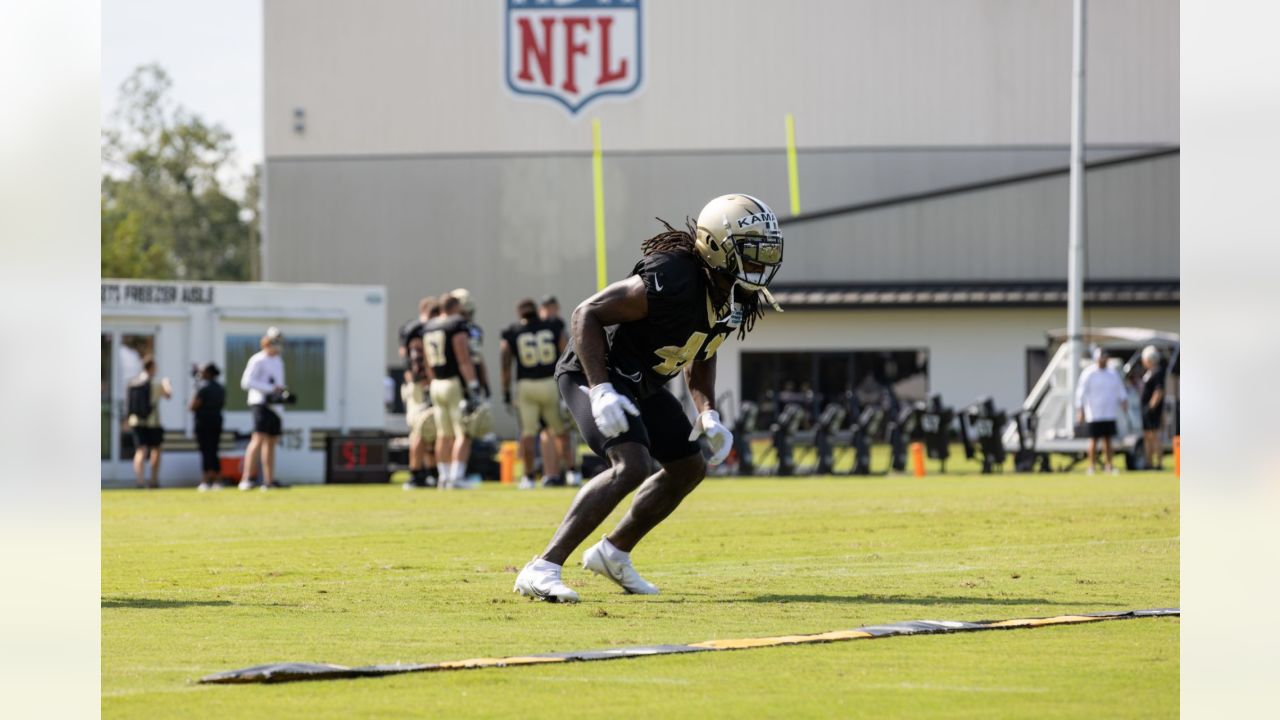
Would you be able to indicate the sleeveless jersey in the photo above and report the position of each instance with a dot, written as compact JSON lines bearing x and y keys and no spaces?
{"x":682,"y":326}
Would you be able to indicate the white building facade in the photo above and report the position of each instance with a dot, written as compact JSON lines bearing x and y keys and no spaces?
{"x":329,"y":332}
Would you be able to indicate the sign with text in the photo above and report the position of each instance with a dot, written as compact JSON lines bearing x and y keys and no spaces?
{"x":574,"y":51}
{"x":143,"y":293}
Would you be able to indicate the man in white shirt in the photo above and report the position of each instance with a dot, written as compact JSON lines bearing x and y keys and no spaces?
{"x":1100,"y":398}
{"x":264,"y":379}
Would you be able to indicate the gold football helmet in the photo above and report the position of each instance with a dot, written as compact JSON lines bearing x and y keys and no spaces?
{"x":738,"y":235}
{"x":464,"y":299}
{"x":478,"y":422}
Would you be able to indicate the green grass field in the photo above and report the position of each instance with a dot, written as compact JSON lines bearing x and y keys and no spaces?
{"x":199,"y":583}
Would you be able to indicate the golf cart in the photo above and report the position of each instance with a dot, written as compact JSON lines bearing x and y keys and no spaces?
{"x":1051,"y":413}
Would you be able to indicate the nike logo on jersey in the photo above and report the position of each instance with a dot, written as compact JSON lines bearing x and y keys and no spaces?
{"x":634,"y":377}
{"x":657,"y":282}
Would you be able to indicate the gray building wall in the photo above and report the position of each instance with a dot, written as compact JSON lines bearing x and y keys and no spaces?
{"x":1008,"y":232}
{"x":419,"y":171}
{"x":510,"y":227}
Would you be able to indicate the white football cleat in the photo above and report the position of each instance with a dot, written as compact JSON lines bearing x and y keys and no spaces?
{"x":245,"y":484}
{"x":605,"y":559}
{"x":573,"y":478}
{"x":541,"y":580}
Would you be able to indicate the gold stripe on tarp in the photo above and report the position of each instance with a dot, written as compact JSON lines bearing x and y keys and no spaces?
{"x":498,"y":662}
{"x":292,"y":672}
{"x":744,"y":643}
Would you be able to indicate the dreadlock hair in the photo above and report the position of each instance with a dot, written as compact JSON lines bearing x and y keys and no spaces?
{"x":675,"y":241}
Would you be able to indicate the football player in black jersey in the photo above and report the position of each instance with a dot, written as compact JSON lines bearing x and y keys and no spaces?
{"x":691,"y":290}
{"x":557,"y":450}
{"x":533,"y":345}
{"x":478,"y":419}
{"x":415,"y":392}
{"x":446,"y":340}
{"x":427,"y":309}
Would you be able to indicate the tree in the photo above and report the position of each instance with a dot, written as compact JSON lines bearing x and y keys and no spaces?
{"x":165,"y":213}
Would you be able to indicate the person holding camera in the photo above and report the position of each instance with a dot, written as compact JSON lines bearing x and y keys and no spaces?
{"x":144,"y":395}
{"x":264,"y":380}
{"x":207,"y":405}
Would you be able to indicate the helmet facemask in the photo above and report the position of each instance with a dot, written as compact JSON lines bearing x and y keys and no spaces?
{"x":755,"y":257}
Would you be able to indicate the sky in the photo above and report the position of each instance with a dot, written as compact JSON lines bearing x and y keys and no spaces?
{"x":212,"y":50}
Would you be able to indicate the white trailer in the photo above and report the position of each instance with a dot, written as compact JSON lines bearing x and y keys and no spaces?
{"x":1053,"y":405}
{"x":334,"y":353}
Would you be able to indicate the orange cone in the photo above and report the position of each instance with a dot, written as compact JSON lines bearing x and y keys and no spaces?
{"x":917,"y":459}
{"x":1177,"y":456}
{"x":507,"y":462}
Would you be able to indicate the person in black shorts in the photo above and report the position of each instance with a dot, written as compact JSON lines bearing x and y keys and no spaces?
{"x":145,"y":393}
{"x":207,"y":406}
{"x":691,"y":290}
{"x":1153,"y":407}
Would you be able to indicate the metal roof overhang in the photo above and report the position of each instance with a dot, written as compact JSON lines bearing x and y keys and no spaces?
{"x":971,"y":294}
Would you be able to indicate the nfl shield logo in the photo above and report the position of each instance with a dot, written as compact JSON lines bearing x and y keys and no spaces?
{"x":573,"y":51}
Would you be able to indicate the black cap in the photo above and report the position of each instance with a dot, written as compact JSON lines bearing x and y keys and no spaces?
{"x":549,"y":299}
{"x":210,"y":369}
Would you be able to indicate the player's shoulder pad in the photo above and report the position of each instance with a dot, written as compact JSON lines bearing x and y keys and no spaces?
{"x":669,"y":275}
{"x":409,"y":328}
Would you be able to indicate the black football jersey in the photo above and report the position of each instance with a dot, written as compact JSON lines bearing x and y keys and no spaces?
{"x":681,"y":326}
{"x":536,"y":347}
{"x":410,"y":330}
{"x":437,"y":340}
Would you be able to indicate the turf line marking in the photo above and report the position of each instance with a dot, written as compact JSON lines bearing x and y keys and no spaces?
{"x":289,"y":672}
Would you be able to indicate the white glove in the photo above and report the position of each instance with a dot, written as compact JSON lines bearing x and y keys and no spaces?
{"x":609,"y":409}
{"x":718,"y":436}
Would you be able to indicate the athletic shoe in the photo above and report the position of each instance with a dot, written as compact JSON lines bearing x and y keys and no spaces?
{"x":411,"y":485}
{"x":1089,"y":471}
{"x":277,"y":485}
{"x":541,"y":580}
{"x":527,"y":483}
{"x":552,"y":481}
{"x":605,"y":559}
{"x":217,"y":485}
{"x":204,"y":487}
{"x":573,"y":478}
{"x":245,"y":485}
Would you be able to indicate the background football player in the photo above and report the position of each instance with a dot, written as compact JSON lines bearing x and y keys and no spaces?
{"x":446,"y":340}
{"x":557,"y":449}
{"x":428,"y":307}
{"x":477,"y":420}
{"x":533,"y":345}
{"x":691,"y":289}
{"x":416,"y":395}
